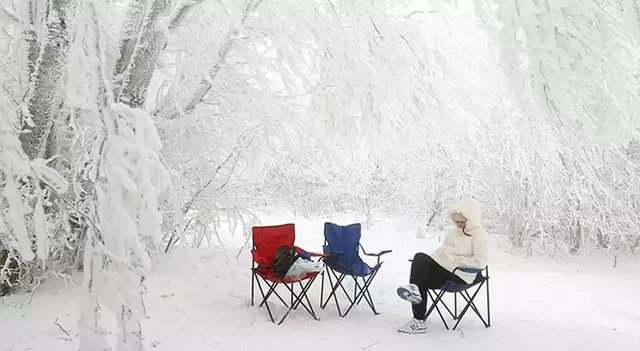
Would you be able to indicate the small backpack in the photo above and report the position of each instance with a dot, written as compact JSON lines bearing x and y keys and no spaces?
{"x":285,"y":257}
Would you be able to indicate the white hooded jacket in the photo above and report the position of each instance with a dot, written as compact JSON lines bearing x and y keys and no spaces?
{"x":466,"y":248}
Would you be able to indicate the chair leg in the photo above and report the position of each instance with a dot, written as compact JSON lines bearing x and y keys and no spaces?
{"x":306,"y":297}
{"x":434,"y":305}
{"x":488,"y":306}
{"x":253,"y":280}
{"x":473,"y":306}
{"x":264,"y":301}
{"x":362,"y":290}
{"x":470,"y":304}
{"x":446,"y":307}
{"x":344,"y":290}
{"x":334,"y":288}
{"x":298,"y":300}
{"x":455,"y":305}
{"x":272,"y":290}
{"x":323,"y":302}
{"x":367,"y":294}
{"x":322,"y":286}
{"x":369,"y":300}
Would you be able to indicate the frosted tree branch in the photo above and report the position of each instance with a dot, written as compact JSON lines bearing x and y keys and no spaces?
{"x":10,"y":16}
{"x":127,"y":178}
{"x":182,"y":12}
{"x":205,"y":85}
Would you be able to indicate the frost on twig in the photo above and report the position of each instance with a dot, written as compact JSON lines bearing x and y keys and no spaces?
{"x":207,"y":83}
{"x":61,"y":328}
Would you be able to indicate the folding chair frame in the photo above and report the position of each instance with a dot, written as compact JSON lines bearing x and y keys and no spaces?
{"x":359,"y":292}
{"x":465,"y":294}
{"x":295,"y":299}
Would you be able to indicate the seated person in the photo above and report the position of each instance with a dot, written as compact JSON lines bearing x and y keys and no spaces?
{"x":465,"y":245}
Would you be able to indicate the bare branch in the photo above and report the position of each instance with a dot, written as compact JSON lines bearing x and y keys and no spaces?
{"x":61,"y":328}
{"x":235,"y":152}
{"x":182,"y":12}
{"x":207,"y":83}
{"x":12,"y":17}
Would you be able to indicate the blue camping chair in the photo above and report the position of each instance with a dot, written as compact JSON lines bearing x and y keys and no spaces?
{"x":342,"y":244}
{"x":462,"y":289}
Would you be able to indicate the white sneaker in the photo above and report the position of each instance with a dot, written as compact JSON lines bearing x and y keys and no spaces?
{"x":414,"y":326}
{"x":410,"y":293}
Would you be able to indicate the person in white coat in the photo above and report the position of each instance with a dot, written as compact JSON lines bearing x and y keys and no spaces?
{"x":465,"y":246}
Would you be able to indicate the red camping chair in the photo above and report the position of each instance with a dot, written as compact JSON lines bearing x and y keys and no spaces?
{"x":266,"y":240}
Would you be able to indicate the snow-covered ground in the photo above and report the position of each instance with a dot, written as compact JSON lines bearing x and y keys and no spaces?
{"x":199,"y":300}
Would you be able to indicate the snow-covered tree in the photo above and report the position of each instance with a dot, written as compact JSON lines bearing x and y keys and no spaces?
{"x":323,"y":106}
{"x":123,"y":166}
{"x":573,"y":67}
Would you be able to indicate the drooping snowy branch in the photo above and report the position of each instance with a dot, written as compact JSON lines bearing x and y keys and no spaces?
{"x":23,"y":226}
{"x":124,"y":167}
{"x":572,"y":68}
{"x":580,"y":59}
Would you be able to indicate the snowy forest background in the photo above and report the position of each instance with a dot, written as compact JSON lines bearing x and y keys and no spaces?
{"x":128,"y":128}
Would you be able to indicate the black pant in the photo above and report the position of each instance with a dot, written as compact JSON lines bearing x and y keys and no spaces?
{"x":427,"y":274}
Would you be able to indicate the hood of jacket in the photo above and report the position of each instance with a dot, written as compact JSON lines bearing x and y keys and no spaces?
{"x":469,"y":208}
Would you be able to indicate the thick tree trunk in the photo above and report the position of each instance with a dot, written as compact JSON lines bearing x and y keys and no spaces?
{"x":31,"y":37}
{"x":132,"y":29}
{"x":9,"y":272}
{"x":134,"y":92}
{"x":139,"y":53}
{"x":45,"y":93}
{"x":141,"y":46}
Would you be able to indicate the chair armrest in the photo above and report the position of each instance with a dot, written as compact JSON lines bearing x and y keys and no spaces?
{"x":477,"y":271}
{"x":331,"y":252}
{"x":377,"y":255}
{"x":334,"y":253}
{"x":311,"y":254}
{"x":468,"y":269}
{"x":383,"y":252}
{"x":257,"y":258}
{"x":464,"y":269}
{"x":317,"y":254}
{"x":374,"y":254}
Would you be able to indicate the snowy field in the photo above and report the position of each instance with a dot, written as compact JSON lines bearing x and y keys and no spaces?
{"x":199,"y":300}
